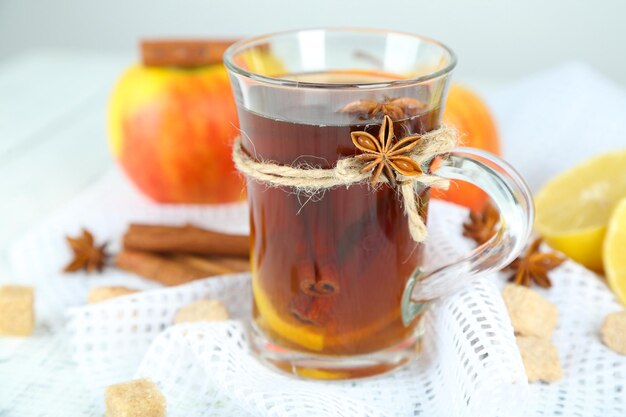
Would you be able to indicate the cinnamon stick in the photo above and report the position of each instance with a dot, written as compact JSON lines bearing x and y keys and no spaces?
{"x":236,"y":264}
{"x":185,"y":239}
{"x":159,"y":268}
{"x":214,"y":266}
{"x":316,"y":311}
{"x":315,"y":266}
{"x":183,"y":53}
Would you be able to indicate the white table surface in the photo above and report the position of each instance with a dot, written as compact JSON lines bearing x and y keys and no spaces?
{"x":52,"y":146}
{"x":52,"y":134}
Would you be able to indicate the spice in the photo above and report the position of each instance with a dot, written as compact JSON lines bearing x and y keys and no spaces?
{"x":183,"y":53}
{"x":396,"y":108}
{"x":534,"y":266}
{"x":311,"y":309}
{"x":173,"y":255}
{"x":157,"y":268}
{"x":319,"y":288}
{"x":316,"y":277}
{"x":171,"y":270}
{"x":480,"y":227}
{"x":170,"y":255}
{"x":87,"y":255}
{"x":382,"y":156}
{"x":213,"y":265}
{"x":185,"y":239}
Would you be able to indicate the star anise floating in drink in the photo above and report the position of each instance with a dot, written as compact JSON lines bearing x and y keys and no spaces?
{"x":533,"y":267}
{"x":396,"y":108}
{"x":480,"y":227}
{"x":380,"y":155}
{"x":87,"y":255}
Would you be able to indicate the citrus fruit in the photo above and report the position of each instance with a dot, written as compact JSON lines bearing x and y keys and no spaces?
{"x":469,"y":114}
{"x":614,"y":251}
{"x":574,"y":208}
{"x":293,"y":332}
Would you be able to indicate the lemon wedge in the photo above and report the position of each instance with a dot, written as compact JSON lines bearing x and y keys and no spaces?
{"x":574,"y":208}
{"x":615,"y":252}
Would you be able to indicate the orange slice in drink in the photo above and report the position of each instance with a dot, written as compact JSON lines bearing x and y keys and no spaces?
{"x":295,"y":333}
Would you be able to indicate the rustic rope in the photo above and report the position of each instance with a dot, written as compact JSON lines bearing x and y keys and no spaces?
{"x":349,"y":171}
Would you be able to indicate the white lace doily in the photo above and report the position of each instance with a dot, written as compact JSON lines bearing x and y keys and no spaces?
{"x":469,"y":367}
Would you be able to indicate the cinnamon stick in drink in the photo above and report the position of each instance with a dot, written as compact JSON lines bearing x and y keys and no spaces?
{"x":187,"y":239}
{"x":316,"y":268}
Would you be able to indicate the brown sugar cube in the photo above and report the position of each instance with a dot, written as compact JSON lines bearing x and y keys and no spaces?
{"x":17,"y":317}
{"x":614,"y":332}
{"x":531,"y":314}
{"x":540,"y":358}
{"x":137,"y":398}
{"x":98,"y":294}
{"x":203,"y":310}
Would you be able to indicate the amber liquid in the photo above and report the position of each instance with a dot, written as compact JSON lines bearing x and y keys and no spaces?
{"x":329,"y":270}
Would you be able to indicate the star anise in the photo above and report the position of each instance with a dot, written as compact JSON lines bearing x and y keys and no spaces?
{"x":396,"y":108}
{"x":482,"y":226}
{"x":87,"y":255}
{"x":534,"y":266}
{"x":381,"y":155}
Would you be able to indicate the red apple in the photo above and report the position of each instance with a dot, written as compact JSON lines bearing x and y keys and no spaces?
{"x":171,"y":130}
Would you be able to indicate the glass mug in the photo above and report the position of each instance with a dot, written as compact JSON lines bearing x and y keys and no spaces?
{"x":338,"y":284}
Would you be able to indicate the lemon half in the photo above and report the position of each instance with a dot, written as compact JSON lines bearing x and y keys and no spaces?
{"x":574,"y":208}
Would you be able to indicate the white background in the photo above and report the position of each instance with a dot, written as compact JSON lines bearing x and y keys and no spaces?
{"x":496,"y":39}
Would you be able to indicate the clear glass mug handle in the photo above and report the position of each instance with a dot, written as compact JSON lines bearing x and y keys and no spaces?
{"x":510,"y":195}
